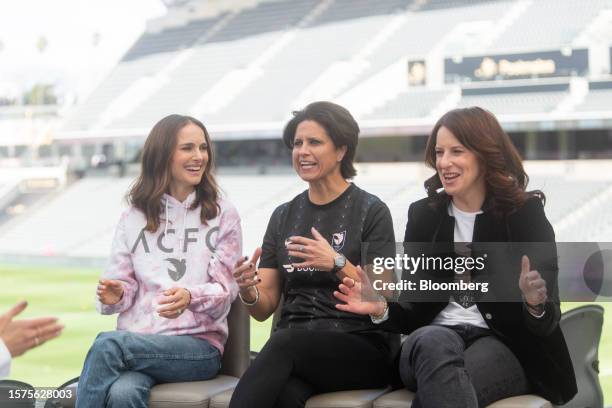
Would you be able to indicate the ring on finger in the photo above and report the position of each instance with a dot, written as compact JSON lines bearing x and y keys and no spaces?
{"x":301,"y":248}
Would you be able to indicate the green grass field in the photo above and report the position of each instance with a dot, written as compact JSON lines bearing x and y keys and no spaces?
{"x":69,"y":294}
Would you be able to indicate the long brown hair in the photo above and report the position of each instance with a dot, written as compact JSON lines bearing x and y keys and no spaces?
{"x":480,"y":132}
{"x":155,"y":176}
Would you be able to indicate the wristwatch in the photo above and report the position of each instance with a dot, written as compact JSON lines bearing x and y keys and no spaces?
{"x":339,"y":262}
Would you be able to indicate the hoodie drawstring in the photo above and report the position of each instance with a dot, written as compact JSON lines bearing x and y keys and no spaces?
{"x":166,"y":228}
{"x":182,"y":235}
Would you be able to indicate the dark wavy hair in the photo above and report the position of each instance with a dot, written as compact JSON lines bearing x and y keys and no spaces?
{"x":480,"y":132}
{"x":155,"y":175}
{"x":339,"y":125}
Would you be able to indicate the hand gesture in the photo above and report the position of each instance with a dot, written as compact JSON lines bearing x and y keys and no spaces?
{"x":358,"y":296}
{"x":531,"y":284}
{"x":109,"y":291}
{"x":7,"y":317}
{"x":176,"y":301}
{"x":316,"y":253}
{"x":245,"y":274}
{"x":20,"y":336}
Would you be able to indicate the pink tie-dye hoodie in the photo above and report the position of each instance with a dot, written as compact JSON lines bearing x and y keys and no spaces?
{"x":184,"y":253}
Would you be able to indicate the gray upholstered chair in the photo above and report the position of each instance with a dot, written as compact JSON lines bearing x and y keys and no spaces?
{"x":582,"y":330}
{"x":403,"y":399}
{"x":197,"y":394}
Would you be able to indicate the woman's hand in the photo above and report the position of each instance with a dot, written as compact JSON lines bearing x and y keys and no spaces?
{"x":177,"y":300}
{"x":245,"y":274}
{"x":316,"y":253}
{"x":359,"y":297}
{"x":109,"y":291}
{"x":20,"y":336}
{"x":532,"y":285}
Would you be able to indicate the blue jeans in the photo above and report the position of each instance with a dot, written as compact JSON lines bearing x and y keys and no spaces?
{"x":121,"y":367}
{"x":459,"y":366}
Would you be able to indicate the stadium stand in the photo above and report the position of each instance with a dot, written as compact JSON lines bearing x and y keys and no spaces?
{"x":170,"y":39}
{"x":598,"y":97}
{"x":545,"y":25}
{"x":252,"y":52}
{"x":79,"y":222}
{"x":248,"y":67}
{"x":512,"y":100}
{"x":410,"y":104}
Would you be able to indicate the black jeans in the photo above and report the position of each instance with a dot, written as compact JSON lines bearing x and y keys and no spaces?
{"x":295,"y":364}
{"x":460,"y":367}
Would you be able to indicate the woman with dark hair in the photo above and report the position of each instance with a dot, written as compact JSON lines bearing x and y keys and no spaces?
{"x":311,"y":243}
{"x":169,"y":275}
{"x":469,"y":349}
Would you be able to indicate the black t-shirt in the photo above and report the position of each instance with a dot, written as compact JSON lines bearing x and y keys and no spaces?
{"x":355,"y":217}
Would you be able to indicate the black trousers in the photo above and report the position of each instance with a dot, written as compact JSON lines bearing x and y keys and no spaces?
{"x":295,"y":364}
{"x":460,"y":366}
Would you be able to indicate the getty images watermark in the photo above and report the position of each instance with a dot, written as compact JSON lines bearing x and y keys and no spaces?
{"x":409,"y":264}
{"x":426,"y":271}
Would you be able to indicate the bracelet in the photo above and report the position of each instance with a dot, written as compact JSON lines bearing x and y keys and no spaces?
{"x":250,"y":303}
{"x":384,"y":312}
{"x":536,"y":311}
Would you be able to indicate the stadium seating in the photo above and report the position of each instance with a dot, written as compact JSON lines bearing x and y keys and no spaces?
{"x":597,"y":99}
{"x":515,"y":100}
{"x":545,"y":25}
{"x":418,"y":34}
{"x":224,"y":68}
{"x":577,"y":203}
{"x":340,"y":10}
{"x":446,"y":4}
{"x":171,"y":39}
{"x":196,"y":394}
{"x":410,"y":104}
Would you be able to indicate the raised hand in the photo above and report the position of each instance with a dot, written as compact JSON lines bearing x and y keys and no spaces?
{"x":358,"y":296}
{"x":245,"y":274}
{"x":109,"y":291}
{"x":7,"y":317}
{"x":20,"y":336}
{"x":315,"y":253}
{"x":531,"y":284}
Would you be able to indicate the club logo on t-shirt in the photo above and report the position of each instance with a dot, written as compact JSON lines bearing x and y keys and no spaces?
{"x":338,"y":240}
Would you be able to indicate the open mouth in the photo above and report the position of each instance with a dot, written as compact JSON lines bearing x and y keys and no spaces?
{"x":307,"y":165}
{"x":448,"y":177}
{"x":193,"y":170}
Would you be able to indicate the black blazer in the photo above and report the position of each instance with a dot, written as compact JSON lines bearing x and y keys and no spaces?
{"x":538,"y":344}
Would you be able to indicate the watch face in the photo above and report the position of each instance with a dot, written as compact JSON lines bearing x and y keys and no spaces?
{"x":339,"y":261}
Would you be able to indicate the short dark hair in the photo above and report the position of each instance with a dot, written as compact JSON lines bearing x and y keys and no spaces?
{"x":339,"y":124}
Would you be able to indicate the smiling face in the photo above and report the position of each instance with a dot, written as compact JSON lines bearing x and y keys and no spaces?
{"x":314,"y":154}
{"x":458,"y":167}
{"x":189,"y":158}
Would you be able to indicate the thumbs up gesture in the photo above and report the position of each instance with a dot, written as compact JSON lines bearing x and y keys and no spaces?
{"x":532,"y":285}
